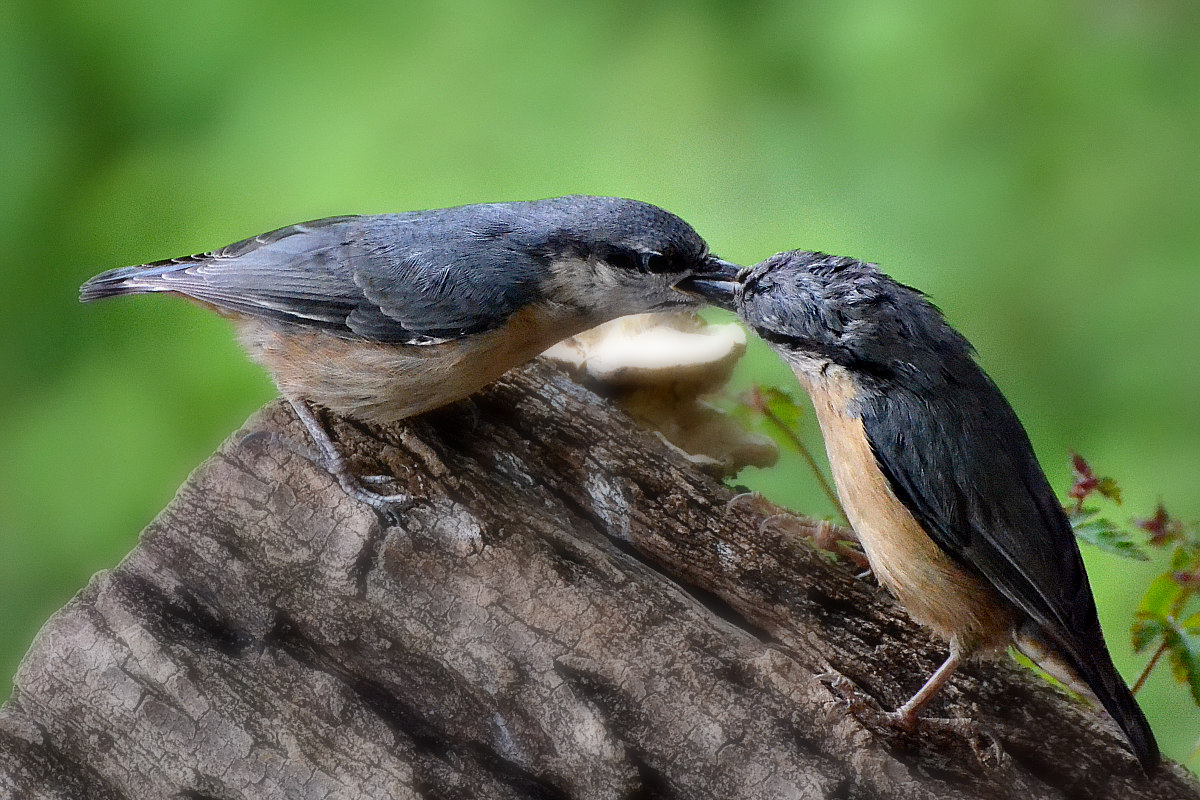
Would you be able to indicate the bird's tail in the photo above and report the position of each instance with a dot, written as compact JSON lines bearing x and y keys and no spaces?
{"x":1094,"y":674}
{"x":126,"y":280}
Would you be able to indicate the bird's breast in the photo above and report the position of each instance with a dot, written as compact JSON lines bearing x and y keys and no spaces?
{"x":935,"y":590}
{"x":383,"y":383}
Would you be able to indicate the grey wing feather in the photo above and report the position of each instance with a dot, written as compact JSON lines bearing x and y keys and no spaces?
{"x":458,"y":271}
{"x":397,"y":278}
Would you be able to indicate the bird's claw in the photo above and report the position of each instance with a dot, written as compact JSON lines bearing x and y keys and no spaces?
{"x":388,"y":506}
{"x":751,"y":501}
{"x":825,"y":535}
{"x":985,"y":744}
{"x":855,"y":700}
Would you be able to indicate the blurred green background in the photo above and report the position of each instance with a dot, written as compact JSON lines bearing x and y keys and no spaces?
{"x":1033,"y":165}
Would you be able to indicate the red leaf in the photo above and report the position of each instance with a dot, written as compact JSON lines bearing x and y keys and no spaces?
{"x":1086,"y":481}
{"x":1162,"y":527}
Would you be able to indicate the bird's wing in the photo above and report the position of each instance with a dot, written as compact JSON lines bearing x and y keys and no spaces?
{"x":399,"y":278}
{"x":962,"y":463}
{"x":964,"y":467}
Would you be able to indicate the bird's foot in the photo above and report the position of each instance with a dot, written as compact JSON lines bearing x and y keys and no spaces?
{"x":388,"y":506}
{"x":983,"y":743}
{"x":825,"y":535}
{"x":330,"y":458}
{"x":853,"y":699}
{"x":837,"y":539}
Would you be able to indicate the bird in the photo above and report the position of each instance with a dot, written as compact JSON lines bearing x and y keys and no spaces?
{"x":382,"y":317}
{"x":935,"y":472}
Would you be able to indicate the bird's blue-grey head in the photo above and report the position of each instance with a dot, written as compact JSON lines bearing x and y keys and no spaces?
{"x":818,"y":309}
{"x":621,"y":255}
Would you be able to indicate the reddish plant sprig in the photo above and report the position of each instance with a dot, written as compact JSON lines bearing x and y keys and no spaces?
{"x":1162,"y":527}
{"x":1087,"y":482}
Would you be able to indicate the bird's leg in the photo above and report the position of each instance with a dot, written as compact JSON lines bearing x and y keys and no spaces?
{"x":334,"y":461}
{"x":984,"y":743}
{"x":906,"y":715}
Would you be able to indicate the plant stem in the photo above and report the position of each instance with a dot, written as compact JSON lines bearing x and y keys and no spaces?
{"x":1162,"y":648}
{"x":804,"y":452}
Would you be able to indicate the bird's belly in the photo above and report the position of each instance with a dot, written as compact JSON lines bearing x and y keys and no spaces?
{"x":386,"y":382}
{"x":936,"y":591}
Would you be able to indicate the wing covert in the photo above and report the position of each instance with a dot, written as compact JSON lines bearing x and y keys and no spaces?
{"x":963,"y":465}
{"x":412,"y":278}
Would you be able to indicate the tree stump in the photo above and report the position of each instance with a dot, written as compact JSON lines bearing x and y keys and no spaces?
{"x":569,"y":609}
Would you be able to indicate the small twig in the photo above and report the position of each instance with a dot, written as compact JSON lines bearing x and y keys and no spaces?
{"x":804,"y":452}
{"x":1162,"y":648}
{"x":1176,"y":609}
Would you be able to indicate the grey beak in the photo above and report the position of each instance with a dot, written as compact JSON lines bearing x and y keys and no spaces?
{"x":719,"y":269}
{"x":717,"y":292}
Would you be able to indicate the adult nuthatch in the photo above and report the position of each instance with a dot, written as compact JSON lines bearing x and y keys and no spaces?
{"x":935,"y":472}
{"x":383,"y":317}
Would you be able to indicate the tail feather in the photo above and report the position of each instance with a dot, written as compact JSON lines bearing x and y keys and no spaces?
{"x":1101,"y":678}
{"x":124,"y":280}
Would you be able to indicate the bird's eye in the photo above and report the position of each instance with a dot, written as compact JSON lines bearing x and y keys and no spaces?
{"x":656,"y":262}
{"x":622,"y":259}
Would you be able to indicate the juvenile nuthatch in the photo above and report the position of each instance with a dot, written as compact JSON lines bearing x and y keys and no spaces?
{"x":386,"y":316}
{"x":935,"y":472}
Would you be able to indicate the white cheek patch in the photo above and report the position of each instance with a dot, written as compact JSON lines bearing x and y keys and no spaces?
{"x":615,"y":292}
{"x":812,"y":366}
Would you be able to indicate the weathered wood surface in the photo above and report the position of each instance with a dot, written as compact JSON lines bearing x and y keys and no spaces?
{"x":570,"y":610}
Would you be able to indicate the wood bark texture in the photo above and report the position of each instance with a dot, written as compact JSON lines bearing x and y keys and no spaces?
{"x":569,"y":609}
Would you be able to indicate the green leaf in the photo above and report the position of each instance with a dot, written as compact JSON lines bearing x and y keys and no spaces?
{"x":1108,"y":536}
{"x":1146,"y":632}
{"x":783,"y":405}
{"x":1184,"y":648}
{"x":1159,"y":600}
{"x":1107,"y":487}
{"x":1185,"y":559}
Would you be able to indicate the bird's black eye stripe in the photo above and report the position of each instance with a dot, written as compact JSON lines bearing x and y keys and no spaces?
{"x":656,"y":263}
{"x":625,"y":259}
{"x":837,"y":355}
{"x":648,"y":261}
{"x":622,"y":258}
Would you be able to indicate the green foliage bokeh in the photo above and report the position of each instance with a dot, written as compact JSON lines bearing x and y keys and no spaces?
{"x":1032,"y":165}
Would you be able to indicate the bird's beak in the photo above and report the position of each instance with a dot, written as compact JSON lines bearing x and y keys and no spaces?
{"x":715,"y":282}
{"x":718,"y":269}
